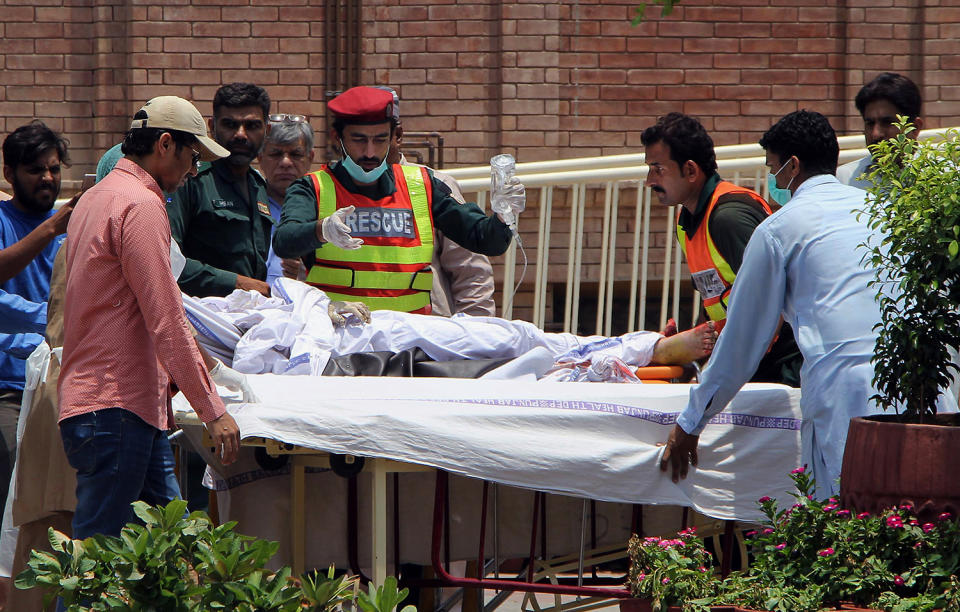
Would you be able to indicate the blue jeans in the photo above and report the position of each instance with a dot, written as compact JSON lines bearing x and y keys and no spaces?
{"x":119,"y":459}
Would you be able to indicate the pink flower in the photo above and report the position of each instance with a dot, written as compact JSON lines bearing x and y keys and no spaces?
{"x":799,"y":470}
{"x":826,"y":552}
{"x":651,"y":540}
{"x":894,"y":522}
{"x":665,"y":581}
{"x":906,"y":507}
{"x":780,"y":546}
{"x":843,"y":513}
{"x":750,"y":534}
{"x":689,"y":531}
{"x":641,"y":576}
{"x":833,"y":500}
{"x":767,"y":531}
{"x":914,"y":522}
{"x":918,"y":544}
{"x":764,"y":499}
{"x":830,"y":508}
{"x":898,"y":580}
{"x":863,"y":515}
{"x":946,"y":516}
{"x":927,"y":527}
{"x":702,"y":569}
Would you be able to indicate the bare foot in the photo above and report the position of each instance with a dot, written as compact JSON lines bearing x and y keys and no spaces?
{"x":685,"y":346}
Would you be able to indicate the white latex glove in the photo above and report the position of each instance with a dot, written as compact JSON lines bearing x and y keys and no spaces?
{"x":509,"y":200}
{"x":233,"y":380}
{"x":339,"y":311}
{"x":337,"y":233}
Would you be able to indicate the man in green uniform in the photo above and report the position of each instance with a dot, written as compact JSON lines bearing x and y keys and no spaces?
{"x":364,"y":228}
{"x":715,"y":223}
{"x":221,"y":218}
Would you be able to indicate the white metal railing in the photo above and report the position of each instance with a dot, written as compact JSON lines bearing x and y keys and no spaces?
{"x":741,"y":164}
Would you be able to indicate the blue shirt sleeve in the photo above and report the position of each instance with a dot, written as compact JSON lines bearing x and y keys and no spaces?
{"x":18,"y":316}
{"x":753,"y":317}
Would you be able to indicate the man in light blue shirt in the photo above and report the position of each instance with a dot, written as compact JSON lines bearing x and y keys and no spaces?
{"x":802,"y":263}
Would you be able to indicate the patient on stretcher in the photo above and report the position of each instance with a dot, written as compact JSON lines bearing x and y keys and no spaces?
{"x":297,"y":332}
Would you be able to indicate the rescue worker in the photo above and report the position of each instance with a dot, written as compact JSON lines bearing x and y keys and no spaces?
{"x":364,"y":227}
{"x":221,"y":218}
{"x":463,"y":280}
{"x":715,"y":222}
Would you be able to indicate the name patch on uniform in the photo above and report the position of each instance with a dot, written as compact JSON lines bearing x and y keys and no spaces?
{"x":222,"y":203}
{"x":708,"y":283}
{"x":384,"y":222}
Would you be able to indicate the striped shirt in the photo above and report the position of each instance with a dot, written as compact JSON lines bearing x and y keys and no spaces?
{"x":125,"y":332}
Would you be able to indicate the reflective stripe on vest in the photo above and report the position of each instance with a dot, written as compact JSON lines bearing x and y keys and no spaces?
{"x":711,"y":273}
{"x":412,"y":302}
{"x":403,"y":266}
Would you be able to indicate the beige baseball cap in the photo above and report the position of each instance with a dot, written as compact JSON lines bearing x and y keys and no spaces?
{"x":175,"y":113}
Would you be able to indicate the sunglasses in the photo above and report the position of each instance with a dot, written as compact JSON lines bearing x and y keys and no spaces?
{"x":285,"y":118}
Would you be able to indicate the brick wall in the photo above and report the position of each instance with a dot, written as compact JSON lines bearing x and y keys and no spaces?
{"x":543,"y":80}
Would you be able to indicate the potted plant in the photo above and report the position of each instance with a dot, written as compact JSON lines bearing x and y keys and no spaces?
{"x":914,"y":204}
{"x":812,"y":556}
{"x":181,"y":563}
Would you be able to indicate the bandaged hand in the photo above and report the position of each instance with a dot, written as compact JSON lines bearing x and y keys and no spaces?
{"x":340,"y":311}
{"x":337,"y":232}
{"x":233,"y":380}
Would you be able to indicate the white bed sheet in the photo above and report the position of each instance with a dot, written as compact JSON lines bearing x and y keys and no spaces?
{"x":598,"y":441}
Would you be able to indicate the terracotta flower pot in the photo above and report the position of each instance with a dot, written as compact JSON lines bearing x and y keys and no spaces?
{"x":886,"y":463}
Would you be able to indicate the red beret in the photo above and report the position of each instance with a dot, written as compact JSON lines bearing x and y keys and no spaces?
{"x":364,"y":105}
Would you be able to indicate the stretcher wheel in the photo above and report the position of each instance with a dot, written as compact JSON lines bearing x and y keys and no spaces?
{"x":268,"y":462}
{"x":346,"y":466}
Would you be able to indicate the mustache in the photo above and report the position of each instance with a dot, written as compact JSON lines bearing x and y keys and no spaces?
{"x":375,"y":160}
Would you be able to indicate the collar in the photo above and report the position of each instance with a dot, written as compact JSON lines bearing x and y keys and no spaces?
{"x":142,"y":175}
{"x":688,"y":221}
{"x":814,"y":181}
{"x":220,"y":167}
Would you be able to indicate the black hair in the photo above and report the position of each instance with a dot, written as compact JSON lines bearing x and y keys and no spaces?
{"x":238,"y":95}
{"x":30,"y":141}
{"x":686,"y":138}
{"x":140,"y":141}
{"x":894,"y":88}
{"x":340,"y":122}
{"x":807,"y":135}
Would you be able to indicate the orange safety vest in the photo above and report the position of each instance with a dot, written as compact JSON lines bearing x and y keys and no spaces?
{"x":712,"y":275}
{"x":391,"y":271}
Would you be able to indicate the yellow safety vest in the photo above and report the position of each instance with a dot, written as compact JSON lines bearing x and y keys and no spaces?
{"x":391,"y":271}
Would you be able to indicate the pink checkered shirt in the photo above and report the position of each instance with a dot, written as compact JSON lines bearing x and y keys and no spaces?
{"x":125,"y":331}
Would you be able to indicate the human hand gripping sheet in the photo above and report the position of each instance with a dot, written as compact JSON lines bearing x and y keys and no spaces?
{"x":337,"y":232}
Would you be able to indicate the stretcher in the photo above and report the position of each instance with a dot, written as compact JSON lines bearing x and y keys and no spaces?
{"x":586,"y":440}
